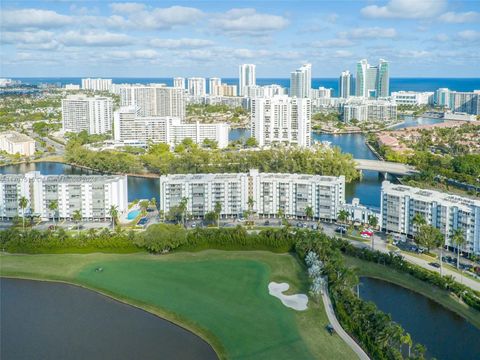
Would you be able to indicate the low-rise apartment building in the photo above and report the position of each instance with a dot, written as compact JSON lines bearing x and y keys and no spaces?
{"x":13,"y":142}
{"x":400,"y":204}
{"x":92,"y":195}
{"x":266,"y":194}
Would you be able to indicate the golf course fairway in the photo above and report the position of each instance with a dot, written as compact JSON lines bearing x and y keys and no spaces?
{"x":221,"y":296}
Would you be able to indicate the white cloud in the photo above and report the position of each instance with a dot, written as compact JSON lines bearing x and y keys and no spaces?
{"x":26,"y":37}
{"x":95,"y":38}
{"x":405,"y":9}
{"x":369,"y":33}
{"x":128,"y":7}
{"x":413,"y":54}
{"x":342,"y":54}
{"x":33,"y":19}
{"x":144,"y":54}
{"x":342,"y":42}
{"x":166,"y":18}
{"x":248,"y":22}
{"x":459,"y":18}
{"x":469,"y":35}
{"x":180,"y":43}
{"x":442,"y":37}
{"x":332,"y":18}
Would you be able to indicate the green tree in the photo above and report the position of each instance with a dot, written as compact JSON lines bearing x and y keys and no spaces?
{"x":373,"y":221}
{"x":23,"y":203}
{"x":77,"y":217}
{"x":53,"y":207}
{"x":217,"y":210}
{"x":251,"y":142}
{"x":113,"y":212}
{"x":144,"y":205}
{"x":309,"y":212}
{"x":182,"y":207}
{"x":343,"y":216}
{"x":458,"y":239}
{"x":418,"y":221}
{"x":429,"y":236}
{"x":153,"y":202}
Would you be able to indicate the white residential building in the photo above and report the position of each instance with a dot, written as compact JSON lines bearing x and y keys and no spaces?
{"x":97,"y":84}
{"x":266,"y":194}
{"x":413,"y":97}
{"x":264,"y":91}
{"x":197,"y":86}
{"x":361,"y":109}
{"x":14,"y":142}
{"x":93,"y":114}
{"x":92,"y":195}
{"x":400,"y":204}
{"x":179,"y":82}
{"x":281,"y":120}
{"x":223,"y":90}
{"x":321,"y":93}
{"x":72,"y":87}
{"x":346,"y":85}
{"x":129,"y":128}
{"x":212,"y":85}
{"x":246,"y":77}
{"x":301,"y":82}
{"x":154,"y":99}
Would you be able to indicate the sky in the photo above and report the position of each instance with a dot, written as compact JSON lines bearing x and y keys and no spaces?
{"x":420,"y":38}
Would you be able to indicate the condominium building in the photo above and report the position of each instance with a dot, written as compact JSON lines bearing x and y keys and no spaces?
{"x":14,"y":142}
{"x":93,"y":114}
{"x":154,"y":99}
{"x":346,"y":85}
{"x":265,"y":91}
{"x":197,"y":86}
{"x":246,"y":77}
{"x":413,"y":97}
{"x":459,"y":101}
{"x":212,"y":85}
{"x":400,"y":204}
{"x":372,"y":81}
{"x":179,"y":82}
{"x":130,"y":128}
{"x":224,"y":90}
{"x":92,"y":195}
{"x":281,"y":120}
{"x":301,"y":81}
{"x":381,"y":110}
{"x":321,"y":93}
{"x":97,"y":84}
{"x":72,"y":87}
{"x":267,"y":194}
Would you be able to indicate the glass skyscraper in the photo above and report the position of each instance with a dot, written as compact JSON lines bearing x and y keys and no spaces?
{"x":372,"y":81}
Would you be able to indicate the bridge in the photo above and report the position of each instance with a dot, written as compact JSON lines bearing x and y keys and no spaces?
{"x":386,"y":167}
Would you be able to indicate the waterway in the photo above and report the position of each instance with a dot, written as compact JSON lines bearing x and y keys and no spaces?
{"x":43,"y":320}
{"x":445,"y":334}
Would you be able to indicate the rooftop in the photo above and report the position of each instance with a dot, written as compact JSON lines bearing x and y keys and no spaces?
{"x":16,"y":137}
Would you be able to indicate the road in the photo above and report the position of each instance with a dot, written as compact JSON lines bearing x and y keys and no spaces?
{"x":381,"y":245}
{"x":332,"y":318}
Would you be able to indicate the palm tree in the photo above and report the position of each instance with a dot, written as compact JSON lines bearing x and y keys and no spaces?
{"x":144,"y":205}
{"x":250,"y":203}
{"x":113,"y":212}
{"x":217,"y":210}
{"x":23,"y":203}
{"x":182,"y":207}
{"x":458,"y":239}
{"x":343,"y":216}
{"x":418,"y":220}
{"x":53,"y":206}
{"x":407,"y":339}
{"x":153,"y":202}
{"x":372,"y":221}
{"x":77,"y":217}
{"x":309,"y":212}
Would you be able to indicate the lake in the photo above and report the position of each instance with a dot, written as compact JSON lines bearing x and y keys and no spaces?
{"x":45,"y":320}
{"x":445,"y":334}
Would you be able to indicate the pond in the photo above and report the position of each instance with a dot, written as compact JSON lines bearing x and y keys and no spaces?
{"x":445,"y":334}
{"x":44,"y":320}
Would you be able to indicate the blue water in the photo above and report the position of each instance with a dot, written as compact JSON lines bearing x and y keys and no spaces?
{"x":396,"y":84}
{"x":133,"y":214}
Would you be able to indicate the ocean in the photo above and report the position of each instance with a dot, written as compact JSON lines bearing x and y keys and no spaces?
{"x":396,"y":84}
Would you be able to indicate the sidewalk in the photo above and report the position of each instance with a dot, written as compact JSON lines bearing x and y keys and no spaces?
{"x":338,"y":328}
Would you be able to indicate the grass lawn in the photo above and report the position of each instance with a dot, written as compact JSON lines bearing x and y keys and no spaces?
{"x":222,"y":296}
{"x":369,"y":269}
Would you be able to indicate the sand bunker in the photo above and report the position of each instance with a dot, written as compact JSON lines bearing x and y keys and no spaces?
{"x":296,"y":301}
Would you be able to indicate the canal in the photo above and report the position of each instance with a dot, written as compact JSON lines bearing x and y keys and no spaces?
{"x":45,"y":320}
{"x":445,"y":334}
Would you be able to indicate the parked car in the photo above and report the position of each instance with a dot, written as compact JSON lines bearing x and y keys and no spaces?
{"x":366,"y":233}
{"x":266,"y":223}
{"x":434,"y":264}
{"x":341,"y":230}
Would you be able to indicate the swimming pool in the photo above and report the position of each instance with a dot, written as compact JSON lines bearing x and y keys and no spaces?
{"x":133,"y":214}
